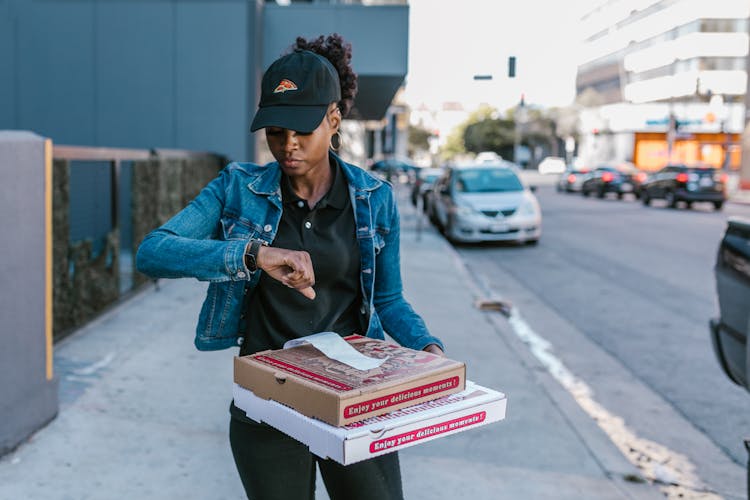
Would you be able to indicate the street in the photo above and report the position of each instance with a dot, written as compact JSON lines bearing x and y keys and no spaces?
{"x":624,"y":293}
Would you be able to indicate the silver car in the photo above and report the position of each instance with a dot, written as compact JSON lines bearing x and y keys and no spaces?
{"x":485,"y":202}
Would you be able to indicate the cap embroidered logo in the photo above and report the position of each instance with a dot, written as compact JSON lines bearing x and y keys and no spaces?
{"x":284,"y":85}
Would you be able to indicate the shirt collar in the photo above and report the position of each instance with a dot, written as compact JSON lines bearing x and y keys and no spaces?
{"x":335,"y":197}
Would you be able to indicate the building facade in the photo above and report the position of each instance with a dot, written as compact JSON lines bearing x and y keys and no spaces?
{"x":663,"y":80}
{"x":179,"y":74}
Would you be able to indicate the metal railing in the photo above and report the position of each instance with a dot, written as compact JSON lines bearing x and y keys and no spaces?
{"x":105,"y":200}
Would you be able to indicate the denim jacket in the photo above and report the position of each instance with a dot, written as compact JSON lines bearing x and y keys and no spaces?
{"x":207,"y":239}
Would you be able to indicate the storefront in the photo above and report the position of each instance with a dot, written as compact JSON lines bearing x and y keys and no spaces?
{"x":639,"y":133}
{"x":651,"y":150}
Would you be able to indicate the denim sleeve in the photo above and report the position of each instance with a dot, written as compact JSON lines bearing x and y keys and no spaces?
{"x":187,"y":244}
{"x":396,"y":315}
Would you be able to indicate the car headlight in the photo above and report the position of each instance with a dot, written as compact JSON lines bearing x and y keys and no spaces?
{"x":528,"y":207}
{"x":463,"y":211}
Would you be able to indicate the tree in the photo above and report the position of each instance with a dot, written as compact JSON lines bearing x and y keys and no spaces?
{"x":418,"y":140}
{"x":454,"y":143}
{"x":490,"y":134}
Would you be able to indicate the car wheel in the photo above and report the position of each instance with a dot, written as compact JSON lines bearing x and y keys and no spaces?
{"x":448,"y":231}
{"x":670,"y":199}
{"x":619,"y":196}
{"x":718,"y":205}
{"x":601,"y":193}
{"x":689,"y":204}
{"x":585,"y":192}
{"x":645,"y":198}
{"x":431,"y":214}
{"x":533,"y":242}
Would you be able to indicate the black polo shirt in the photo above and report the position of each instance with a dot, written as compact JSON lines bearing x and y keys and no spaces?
{"x":276,"y":313}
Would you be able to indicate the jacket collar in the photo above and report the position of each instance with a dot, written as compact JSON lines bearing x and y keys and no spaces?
{"x":358,"y":178}
{"x":267,"y":181}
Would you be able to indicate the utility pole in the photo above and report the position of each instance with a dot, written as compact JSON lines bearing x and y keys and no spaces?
{"x":519,"y":119}
{"x":745,"y":165}
{"x":519,"y":115}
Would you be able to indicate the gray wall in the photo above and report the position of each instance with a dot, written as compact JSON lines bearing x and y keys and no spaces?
{"x":379,"y":35}
{"x":174,"y":73}
{"x":27,"y":398}
{"x":145,"y":74}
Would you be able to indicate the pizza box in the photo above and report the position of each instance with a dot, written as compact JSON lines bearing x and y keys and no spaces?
{"x":318,"y":386}
{"x":474,"y":407}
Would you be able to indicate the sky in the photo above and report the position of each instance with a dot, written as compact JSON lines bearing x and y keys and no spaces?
{"x":450,"y":41}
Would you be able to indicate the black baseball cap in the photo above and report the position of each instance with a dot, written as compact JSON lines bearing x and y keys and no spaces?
{"x":295,"y":92}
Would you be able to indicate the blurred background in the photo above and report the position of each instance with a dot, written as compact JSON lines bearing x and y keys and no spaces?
{"x":618,"y":126}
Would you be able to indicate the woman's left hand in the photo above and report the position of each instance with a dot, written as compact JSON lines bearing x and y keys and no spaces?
{"x":434,"y":349}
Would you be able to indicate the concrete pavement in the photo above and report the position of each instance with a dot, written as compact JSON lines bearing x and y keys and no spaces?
{"x":144,"y":415}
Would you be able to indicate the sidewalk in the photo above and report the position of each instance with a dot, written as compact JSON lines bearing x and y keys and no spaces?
{"x":740,"y":196}
{"x":149,"y":420}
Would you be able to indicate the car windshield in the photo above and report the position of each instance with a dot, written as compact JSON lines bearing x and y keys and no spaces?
{"x":430,"y":175}
{"x":486,"y":180}
{"x":689,"y":168}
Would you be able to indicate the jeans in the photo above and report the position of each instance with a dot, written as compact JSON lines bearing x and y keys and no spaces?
{"x":274,"y":466}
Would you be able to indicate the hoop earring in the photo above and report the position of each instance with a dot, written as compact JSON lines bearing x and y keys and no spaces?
{"x":336,"y":144}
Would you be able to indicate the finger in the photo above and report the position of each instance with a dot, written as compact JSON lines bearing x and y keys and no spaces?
{"x":297,"y":281}
{"x":308,"y":266}
{"x":435,"y":349}
{"x":307,"y":292}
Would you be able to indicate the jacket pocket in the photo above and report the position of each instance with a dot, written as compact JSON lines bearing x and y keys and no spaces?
{"x":237,"y":229}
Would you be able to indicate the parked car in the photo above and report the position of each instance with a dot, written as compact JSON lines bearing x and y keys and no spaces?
{"x":485,"y":202}
{"x":425,"y":178}
{"x":571,"y":180}
{"x":687,"y":183}
{"x":393,"y":169}
{"x":551,"y":165}
{"x":618,"y":179}
{"x":729,"y":332}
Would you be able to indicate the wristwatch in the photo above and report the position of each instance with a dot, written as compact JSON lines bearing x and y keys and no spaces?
{"x":251,"y":254}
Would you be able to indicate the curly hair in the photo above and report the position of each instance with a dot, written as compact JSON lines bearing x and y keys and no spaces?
{"x":339,"y":53}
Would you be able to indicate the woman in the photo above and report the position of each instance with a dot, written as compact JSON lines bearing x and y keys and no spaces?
{"x":305,"y":244}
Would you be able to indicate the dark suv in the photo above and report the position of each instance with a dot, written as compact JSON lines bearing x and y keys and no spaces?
{"x":730,"y":330}
{"x":620,"y":179}
{"x":676,"y":183}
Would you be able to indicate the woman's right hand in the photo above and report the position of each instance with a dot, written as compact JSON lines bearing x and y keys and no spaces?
{"x":293,"y":268}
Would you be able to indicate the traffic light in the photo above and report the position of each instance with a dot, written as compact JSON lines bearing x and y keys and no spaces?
{"x":512,"y":67}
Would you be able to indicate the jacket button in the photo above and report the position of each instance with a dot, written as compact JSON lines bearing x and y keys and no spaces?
{"x":241,"y":274}
{"x":240,"y":340}
{"x":363,"y":309}
{"x":267,"y":228}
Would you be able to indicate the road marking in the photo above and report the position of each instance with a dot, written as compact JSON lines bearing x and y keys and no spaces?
{"x":673,"y":472}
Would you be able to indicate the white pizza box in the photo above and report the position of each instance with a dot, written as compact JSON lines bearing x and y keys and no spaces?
{"x":474,"y":407}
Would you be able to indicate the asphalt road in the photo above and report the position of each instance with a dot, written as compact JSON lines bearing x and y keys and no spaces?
{"x":637,"y":283}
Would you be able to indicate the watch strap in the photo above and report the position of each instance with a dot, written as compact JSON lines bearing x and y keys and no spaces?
{"x":251,"y":255}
